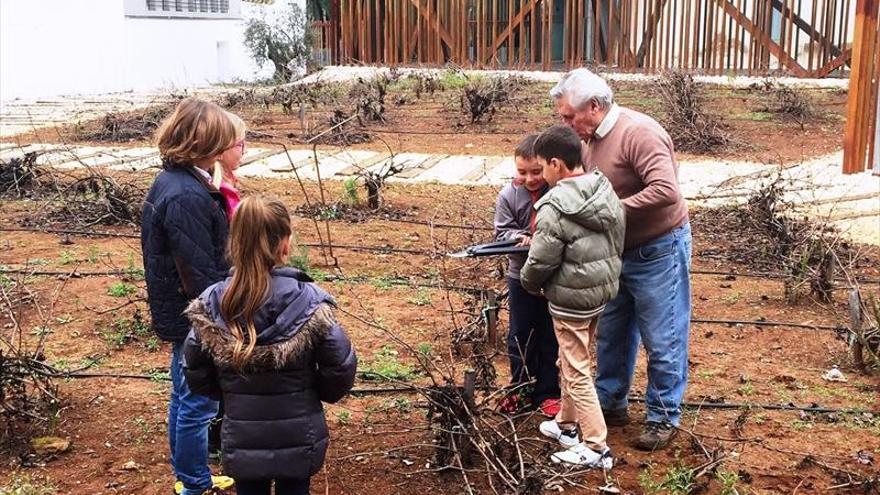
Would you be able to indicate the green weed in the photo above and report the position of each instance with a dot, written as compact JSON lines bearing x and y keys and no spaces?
{"x":121,"y":289}
{"x":728,"y":480}
{"x":678,"y":480}
{"x":93,"y":255}
{"x":350,"y":191}
{"x":25,"y":485}
{"x":299,"y":260}
{"x":343,"y":417}
{"x":425,"y":349}
{"x":384,"y":283}
{"x":124,"y":330}
{"x":421,"y":299}
{"x":134,"y":271}
{"x":152,"y":344}
{"x":67,"y":257}
{"x":386,"y":365}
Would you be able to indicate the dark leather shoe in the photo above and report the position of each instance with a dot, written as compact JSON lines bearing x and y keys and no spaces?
{"x":655,"y":436}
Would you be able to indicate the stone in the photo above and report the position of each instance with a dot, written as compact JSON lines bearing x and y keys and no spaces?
{"x":45,"y":446}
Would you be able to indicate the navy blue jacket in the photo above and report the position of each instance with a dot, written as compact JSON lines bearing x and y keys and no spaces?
{"x":273,"y":422}
{"x":183,"y":240}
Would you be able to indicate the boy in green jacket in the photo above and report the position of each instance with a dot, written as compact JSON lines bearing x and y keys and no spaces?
{"x":574,"y":261}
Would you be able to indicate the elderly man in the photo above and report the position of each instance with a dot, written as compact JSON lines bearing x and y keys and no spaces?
{"x":654,"y":301}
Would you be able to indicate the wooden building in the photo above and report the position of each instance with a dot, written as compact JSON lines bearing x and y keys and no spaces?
{"x":803,"y":38}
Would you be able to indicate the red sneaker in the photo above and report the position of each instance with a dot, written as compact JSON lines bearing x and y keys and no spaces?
{"x":550,"y":407}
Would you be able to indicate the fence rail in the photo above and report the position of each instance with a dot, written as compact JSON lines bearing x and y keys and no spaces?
{"x":803,"y":38}
{"x":861,"y":134}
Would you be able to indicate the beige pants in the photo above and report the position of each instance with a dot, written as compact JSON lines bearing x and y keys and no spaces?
{"x":580,"y":404}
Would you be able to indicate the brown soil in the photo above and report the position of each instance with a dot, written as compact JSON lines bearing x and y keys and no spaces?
{"x":435,"y":123}
{"x":112,"y":421}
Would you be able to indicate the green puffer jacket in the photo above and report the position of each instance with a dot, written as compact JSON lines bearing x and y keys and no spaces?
{"x":576,"y":249}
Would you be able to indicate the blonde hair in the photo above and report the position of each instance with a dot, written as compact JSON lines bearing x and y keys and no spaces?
{"x":220,"y":173}
{"x":258,"y":229}
{"x":196,"y":130}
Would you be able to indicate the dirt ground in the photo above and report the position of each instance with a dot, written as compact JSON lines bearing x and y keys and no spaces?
{"x":434,"y":122}
{"x":381,"y":443}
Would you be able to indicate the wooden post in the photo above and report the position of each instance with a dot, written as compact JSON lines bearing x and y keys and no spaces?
{"x":855,"y":328}
{"x":470,"y":386}
{"x":490,"y":317}
{"x":861,"y":87}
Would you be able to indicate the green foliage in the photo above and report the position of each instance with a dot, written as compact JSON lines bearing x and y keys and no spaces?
{"x":343,"y":417}
{"x":284,"y":39}
{"x":152,"y":344}
{"x":299,"y":260}
{"x":452,"y":79}
{"x":121,"y":289}
{"x":25,"y":485}
{"x":5,"y":280}
{"x":124,"y":330}
{"x":67,"y":257}
{"x":386,"y":365}
{"x":421,"y":299}
{"x":384,"y":283}
{"x":134,"y":271}
{"x":159,"y":376}
{"x":350,"y":192}
{"x":93,"y":254}
{"x":329,"y":212}
{"x":678,"y":480}
{"x":728,"y":481}
{"x":425,"y":348}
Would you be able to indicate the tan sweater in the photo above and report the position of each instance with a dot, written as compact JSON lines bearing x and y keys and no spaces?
{"x":637,"y":156}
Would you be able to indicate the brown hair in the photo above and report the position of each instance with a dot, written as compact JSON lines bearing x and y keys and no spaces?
{"x":197,"y":129}
{"x":220,"y":173}
{"x":258,"y":228}
{"x":525,"y":148}
{"x":560,"y":142}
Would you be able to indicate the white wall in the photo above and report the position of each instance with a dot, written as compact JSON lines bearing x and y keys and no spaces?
{"x":58,"y":47}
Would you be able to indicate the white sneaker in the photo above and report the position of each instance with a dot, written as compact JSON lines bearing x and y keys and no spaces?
{"x":566,"y":438}
{"x":581,"y":455}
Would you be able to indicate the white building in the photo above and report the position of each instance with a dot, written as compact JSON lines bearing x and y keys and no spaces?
{"x":61,"y":47}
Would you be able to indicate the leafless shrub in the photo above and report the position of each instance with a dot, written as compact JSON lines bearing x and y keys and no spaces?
{"x":771,"y":234}
{"x":342,"y":130}
{"x":29,"y":399}
{"x":424,"y":84}
{"x":789,"y":102}
{"x":481,"y":97}
{"x":369,"y":97}
{"x":126,"y":126}
{"x":374,"y":181}
{"x":20,"y":176}
{"x":692,"y":129}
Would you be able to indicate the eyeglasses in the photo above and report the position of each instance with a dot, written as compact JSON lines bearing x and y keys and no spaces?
{"x":239,"y":144}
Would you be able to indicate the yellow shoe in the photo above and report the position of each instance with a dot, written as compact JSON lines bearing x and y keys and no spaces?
{"x":220,"y":483}
{"x":223,"y":482}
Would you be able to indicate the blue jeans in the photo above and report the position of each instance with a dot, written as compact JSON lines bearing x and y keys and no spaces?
{"x":654,"y":305}
{"x":188,"y":418}
{"x":531,"y":343}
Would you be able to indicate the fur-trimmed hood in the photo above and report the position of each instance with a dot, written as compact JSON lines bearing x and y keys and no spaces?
{"x":295,"y":317}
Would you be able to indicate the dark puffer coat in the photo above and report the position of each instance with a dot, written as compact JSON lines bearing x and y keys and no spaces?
{"x":183,"y":240}
{"x":273,"y":424}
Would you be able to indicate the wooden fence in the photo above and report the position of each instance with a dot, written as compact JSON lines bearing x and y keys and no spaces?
{"x":803,"y":38}
{"x":861,"y":135}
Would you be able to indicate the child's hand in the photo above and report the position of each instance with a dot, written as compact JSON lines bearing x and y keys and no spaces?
{"x":525,"y":240}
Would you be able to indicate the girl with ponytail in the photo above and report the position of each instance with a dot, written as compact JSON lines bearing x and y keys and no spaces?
{"x":267,"y":342}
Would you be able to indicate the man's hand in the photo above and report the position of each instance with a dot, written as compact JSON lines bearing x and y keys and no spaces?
{"x":525,"y":240}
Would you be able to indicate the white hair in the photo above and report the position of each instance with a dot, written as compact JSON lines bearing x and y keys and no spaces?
{"x":581,"y":86}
